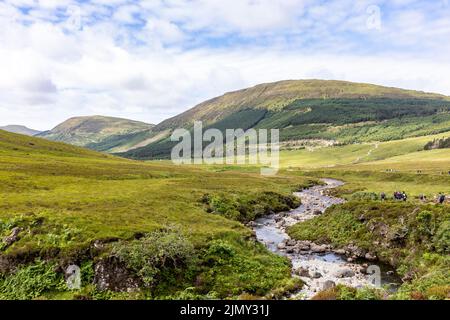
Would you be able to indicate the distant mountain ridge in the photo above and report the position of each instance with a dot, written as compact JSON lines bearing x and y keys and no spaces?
{"x":277,"y":95}
{"x":20,"y":129}
{"x":305,"y":111}
{"x":98,"y":132}
{"x":339,"y":111}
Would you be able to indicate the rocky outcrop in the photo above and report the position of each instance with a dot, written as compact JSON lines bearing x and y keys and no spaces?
{"x":13,"y":237}
{"x":110,"y":274}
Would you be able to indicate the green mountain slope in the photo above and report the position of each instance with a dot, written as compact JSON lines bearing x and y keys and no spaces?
{"x":18,"y":145}
{"x":98,"y":132}
{"x":338,"y":111}
{"x":20,"y":129}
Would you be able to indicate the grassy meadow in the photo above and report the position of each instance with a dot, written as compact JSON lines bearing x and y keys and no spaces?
{"x":75,"y":206}
{"x":65,"y":198}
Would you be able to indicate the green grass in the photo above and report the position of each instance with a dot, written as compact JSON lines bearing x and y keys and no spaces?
{"x":411,"y":237}
{"x":400,"y":165}
{"x":64,"y":198}
{"x":366,"y":153}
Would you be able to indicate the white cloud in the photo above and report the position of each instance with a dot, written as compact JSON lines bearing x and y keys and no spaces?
{"x":49,"y":73}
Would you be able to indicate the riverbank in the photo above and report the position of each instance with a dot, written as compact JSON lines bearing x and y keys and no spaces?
{"x":319,"y":266}
{"x":412,"y":238}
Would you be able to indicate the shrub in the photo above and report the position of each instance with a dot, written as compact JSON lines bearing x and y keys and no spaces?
{"x":425,"y":223}
{"x":31,"y":281}
{"x":361,"y":195}
{"x":250,"y":206}
{"x":230,"y":270}
{"x":442,"y":238}
{"x":153,"y":254}
{"x":342,"y":292}
{"x":219,"y":251}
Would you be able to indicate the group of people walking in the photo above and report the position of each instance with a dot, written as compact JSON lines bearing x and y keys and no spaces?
{"x":402,"y":196}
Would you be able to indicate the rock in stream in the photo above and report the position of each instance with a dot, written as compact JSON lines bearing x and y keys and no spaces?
{"x":319,"y":266}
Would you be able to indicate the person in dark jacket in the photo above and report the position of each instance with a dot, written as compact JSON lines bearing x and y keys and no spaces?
{"x":441,"y":198}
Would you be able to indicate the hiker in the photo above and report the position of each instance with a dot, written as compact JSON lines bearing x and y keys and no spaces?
{"x":404,"y":196}
{"x":441,"y":198}
{"x":398,"y":195}
{"x":383,"y":196}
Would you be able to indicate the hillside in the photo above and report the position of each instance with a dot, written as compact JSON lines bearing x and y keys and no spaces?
{"x":336,"y":111}
{"x":18,"y":145}
{"x":98,"y":132}
{"x":69,"y":204}
{"x":20,"y":129}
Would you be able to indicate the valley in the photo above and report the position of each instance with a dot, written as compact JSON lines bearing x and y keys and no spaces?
{"x":144,"y":228}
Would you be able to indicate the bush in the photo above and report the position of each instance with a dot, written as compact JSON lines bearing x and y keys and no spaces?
{"x":248,"y":207}
{"x":342,"y":292}
{"x":442,"y":238}
{"x":230,"y":270}
{"x":361,"y":195}
{"x":158,"y":251}
{"x":31,"y":281}
{"x":219,"y":251}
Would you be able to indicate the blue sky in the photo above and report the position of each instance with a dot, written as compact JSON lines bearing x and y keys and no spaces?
{"x":149,"y":60}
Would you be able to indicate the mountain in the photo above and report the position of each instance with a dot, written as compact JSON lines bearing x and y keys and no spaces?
{"x":100,"y":133}
{"x":20,"y":129}
{"x":326,"y":111}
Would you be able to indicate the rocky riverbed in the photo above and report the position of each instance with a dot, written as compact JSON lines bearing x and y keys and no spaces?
{"x":319,"y":266}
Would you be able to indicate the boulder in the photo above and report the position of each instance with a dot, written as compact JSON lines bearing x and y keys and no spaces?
{"x":110,"y":274}
{"x":281,"y":245}
{"x":318,"y":248}
{"x":291,"y":242}
{"x":340,"y":251}
{"x":363,"y":269}
{"x":13,"y":236}
{"x":369,"y":256}
{"x":328,"y":285}
{"x":302,"y":272}
{"x":344,"y":273}
{"x":303,"y":246}
{"x":316,"y":275}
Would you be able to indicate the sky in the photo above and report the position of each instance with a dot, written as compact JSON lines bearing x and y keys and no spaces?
{"x":150,"y":60}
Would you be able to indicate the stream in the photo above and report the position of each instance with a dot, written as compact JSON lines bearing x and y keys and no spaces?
{"x":319,"y":266}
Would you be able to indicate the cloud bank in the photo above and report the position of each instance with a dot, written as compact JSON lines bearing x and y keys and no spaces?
{"x":149,"y":60}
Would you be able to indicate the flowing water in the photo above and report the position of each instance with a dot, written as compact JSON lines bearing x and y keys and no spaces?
{"x":320,"y":266}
